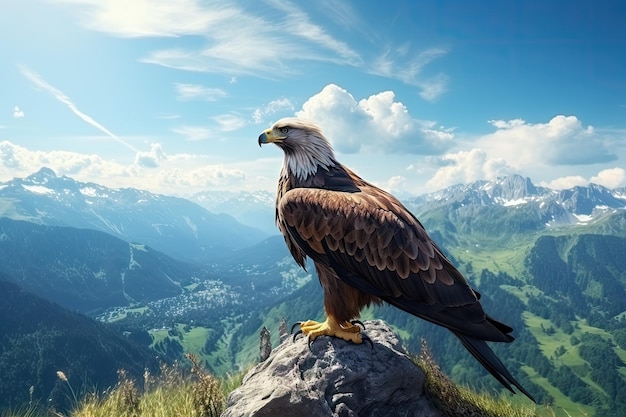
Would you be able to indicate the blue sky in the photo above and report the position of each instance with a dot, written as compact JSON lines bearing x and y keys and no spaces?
{"x":170,"y":96}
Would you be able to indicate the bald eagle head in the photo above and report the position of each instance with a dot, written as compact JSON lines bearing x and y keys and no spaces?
{"x":305,"y":146}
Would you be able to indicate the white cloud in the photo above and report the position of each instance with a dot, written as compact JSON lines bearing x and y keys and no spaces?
{"x":176,"y":174}
{"x":466,"y":166}
{"x":16,"y":161}
{"x":152,"y":158}
{"x":270,"y":109}
{"x":395,"y":184}
{"x":399,"y":64}
{"x":195,"y":133}
{"x":610,"y":178}
{"x":216,"y":176}
{"x":561,"y":141}
{"x":148,"y":18}
{"x":297,"y":23}
{"x":237,"y":40}
{"x":376,"y":123}
{"x":229,"y":122}
{"x":17,"y":112}
{"x":198,"y":92}
{"x":240,"y":38}
{"x":506,"y":124}
{"x":565,"y":183}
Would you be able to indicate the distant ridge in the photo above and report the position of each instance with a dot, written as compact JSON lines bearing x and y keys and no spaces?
{"x":171,"y":225}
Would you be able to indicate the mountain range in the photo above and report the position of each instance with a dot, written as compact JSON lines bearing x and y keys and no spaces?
{"x":196,"y":278}
{"x":172,"y":225}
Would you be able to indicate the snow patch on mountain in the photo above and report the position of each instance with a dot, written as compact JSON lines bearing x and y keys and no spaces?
{"x":38,"y":189}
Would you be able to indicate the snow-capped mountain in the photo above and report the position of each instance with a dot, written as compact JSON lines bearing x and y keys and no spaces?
{"x":544,"y":206}
{"x":549,"y":207}
{"x":175,"y":226}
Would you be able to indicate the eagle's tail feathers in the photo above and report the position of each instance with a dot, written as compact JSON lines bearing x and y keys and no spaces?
{"x":488,"y":359}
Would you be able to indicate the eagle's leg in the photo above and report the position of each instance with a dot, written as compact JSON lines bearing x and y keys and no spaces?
{"x":331,"y":327}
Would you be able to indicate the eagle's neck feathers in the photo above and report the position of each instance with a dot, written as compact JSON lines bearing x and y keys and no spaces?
{"x":305,"y":159}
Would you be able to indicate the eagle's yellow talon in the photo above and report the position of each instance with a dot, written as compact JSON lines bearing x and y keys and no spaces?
{"x":330,"y":327}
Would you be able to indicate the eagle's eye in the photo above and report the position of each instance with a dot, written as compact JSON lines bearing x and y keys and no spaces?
{"x":284,"y":130}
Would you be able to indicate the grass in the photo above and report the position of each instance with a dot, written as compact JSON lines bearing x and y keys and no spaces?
{"x":196,"y":393}
{"x":457,"y":401}
{"x":174,"y":392}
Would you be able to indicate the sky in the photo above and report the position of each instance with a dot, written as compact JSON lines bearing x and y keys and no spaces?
{"x":171,"y":96}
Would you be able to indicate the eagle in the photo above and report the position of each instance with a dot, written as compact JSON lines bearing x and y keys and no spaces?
{"x":367,"y":248}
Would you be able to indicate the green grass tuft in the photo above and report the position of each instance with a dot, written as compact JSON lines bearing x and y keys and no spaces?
{"x":457,"y":401}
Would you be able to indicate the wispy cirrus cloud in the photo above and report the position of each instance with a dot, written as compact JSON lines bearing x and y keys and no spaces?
{"x":229,"y":122}
{"x":402,"y":64}
{"x":198,"y":92}
{"x":36,"y":79}
{"x":195,"y":133}
{"x":241,"y":39}
{"x":270,"y":109}
{"x":236,"y":39}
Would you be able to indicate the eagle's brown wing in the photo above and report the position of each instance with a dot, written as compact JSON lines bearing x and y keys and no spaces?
{"x":374,"y":244}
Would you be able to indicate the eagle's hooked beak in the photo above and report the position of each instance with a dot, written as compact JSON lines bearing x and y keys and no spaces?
{"x":270,"y":136}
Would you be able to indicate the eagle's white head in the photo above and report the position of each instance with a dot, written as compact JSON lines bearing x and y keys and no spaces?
{"x":305,"y":146}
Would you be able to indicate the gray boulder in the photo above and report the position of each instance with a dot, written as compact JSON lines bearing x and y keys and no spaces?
{"x":334,"y":378}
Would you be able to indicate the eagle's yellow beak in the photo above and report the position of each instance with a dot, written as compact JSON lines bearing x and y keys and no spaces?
{"x":270,"y":136}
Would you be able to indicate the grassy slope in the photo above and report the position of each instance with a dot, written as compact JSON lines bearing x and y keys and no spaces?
{"x":488,"y":254}
{"x":509,"y":258}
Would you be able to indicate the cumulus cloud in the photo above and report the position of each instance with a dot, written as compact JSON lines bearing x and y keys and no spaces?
{"x":177,"y":174}
{"x":565,"y":183}
{"x":609,"y":178}
{"x":561,"y":141}
{"x":466,"y":166}
{"x":16,"y":160}
{"x":17,"y":112}
{"x":377,"y":122}
{"x":198,"y":92}
{"x":152,"y":158}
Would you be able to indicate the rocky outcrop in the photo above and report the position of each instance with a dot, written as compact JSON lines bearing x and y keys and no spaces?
{"x":334,"y":378}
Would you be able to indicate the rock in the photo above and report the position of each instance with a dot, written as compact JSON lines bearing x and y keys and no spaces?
{"x":334,"y":378}
{"x":266,"y":345}
{"x":283,"y":332}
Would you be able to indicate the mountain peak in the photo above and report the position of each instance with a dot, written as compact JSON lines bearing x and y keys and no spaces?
{"x":42,"y":176}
